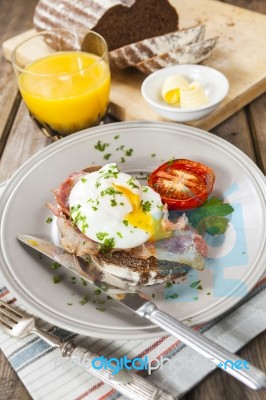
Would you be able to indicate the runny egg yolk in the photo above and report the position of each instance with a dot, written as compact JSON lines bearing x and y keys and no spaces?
{"x":141,"y":218}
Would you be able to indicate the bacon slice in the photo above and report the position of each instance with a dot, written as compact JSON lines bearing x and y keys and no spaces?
{"x":185,"y":247}
{"x":74,"y":241}
{"x":180,"y":224}
{"x":62,"y":193}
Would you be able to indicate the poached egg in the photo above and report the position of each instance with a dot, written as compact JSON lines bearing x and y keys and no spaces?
{"x":115,"y":210}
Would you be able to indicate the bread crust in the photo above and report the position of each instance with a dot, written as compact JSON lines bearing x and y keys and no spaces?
{"x":134,"y":53}
{"x":191,"y":54}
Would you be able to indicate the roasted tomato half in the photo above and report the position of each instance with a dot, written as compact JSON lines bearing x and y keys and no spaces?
{"x":182,"y":184}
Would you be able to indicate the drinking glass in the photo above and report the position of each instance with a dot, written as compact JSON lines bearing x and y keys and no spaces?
{"x":64,"y":78}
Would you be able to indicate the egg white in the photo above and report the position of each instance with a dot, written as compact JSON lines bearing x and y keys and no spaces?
{"x":98,"y":207}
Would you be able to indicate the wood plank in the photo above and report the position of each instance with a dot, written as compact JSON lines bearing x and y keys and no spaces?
{"x":220,"y":386}
{"x":252,"y":5}
{"x":257,"y":119}
{"x":11,"y":11}
{"x":236,"y":131}
{"x":11,"y":387}
{"x":24,"y":140}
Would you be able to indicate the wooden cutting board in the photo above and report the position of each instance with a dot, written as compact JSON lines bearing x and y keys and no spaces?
{"x":240,"y":55}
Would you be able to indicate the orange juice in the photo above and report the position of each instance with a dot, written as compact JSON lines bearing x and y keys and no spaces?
{"x":68,"y":91}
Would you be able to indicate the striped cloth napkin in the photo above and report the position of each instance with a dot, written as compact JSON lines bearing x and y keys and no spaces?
{"x":49,"y":376}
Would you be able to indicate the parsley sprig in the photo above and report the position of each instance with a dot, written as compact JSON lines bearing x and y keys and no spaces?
{"x":210,"y":217}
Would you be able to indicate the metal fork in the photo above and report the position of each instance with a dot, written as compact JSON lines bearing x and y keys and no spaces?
{"x":20,"y":324}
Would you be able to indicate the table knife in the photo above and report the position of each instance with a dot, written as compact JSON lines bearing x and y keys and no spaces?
{"x":137,"y":301}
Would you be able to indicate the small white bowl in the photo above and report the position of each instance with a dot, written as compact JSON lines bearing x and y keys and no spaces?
{"x":215,"y":85}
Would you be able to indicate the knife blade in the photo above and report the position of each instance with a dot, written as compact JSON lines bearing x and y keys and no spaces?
{"x":136,"y":300}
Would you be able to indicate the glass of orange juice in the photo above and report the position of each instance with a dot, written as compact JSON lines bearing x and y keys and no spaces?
{"x":64,"y":79}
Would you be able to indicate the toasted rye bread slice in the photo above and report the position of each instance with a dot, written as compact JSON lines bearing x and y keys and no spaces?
{"x":134,"y":53}
{"x":135,"y":271}
{"x":190,"y":54}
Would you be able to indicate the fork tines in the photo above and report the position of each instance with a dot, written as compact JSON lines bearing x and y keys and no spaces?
{"x":9,"y":316}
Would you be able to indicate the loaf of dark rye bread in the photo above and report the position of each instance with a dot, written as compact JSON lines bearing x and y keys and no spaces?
{"x":134,"y":53}
{"x":120,"y":22}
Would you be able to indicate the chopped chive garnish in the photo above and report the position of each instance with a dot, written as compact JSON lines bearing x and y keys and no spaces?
{"x":49,"y":220}
{"x":102,"y":309}
{"x":55,"y":265}
{"x":131,"y":182}
{"x":56,"y":279}
{"x":172,"y":296}
{"x":146,"y":206}
{"x":195,"y":284}
{"x":84,"y":300}
{"x":101,"y":235}
{"x":171,"y":161}
{"x":108,"y":244}
{"x":101,"y":146}
{"x":129,"y":152}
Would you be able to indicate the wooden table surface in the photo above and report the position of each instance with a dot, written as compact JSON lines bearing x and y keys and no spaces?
{"x":20,"y":139}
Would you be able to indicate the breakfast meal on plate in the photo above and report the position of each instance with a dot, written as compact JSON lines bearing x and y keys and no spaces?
{"x":140,"y":33}
{"x":177,"y":91}
{"x":123,"y":228}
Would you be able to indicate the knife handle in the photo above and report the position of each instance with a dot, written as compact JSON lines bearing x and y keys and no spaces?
{"x":250,"y":376}
{"x":126,"y":382}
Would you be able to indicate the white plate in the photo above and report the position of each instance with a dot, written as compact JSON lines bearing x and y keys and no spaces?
{"x":236,"y":260}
